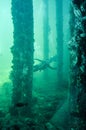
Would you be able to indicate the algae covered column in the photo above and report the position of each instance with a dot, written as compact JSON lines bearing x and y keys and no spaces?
{"x":46,"y":34}
{"x":59,"y":29}
{"x":22,"y":50}
{"x":78,"y":67}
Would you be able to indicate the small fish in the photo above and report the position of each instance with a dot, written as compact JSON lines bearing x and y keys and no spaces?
{"x":21,"y":104}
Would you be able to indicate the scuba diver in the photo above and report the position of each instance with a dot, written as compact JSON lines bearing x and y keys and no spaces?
{"x":45,"y":64}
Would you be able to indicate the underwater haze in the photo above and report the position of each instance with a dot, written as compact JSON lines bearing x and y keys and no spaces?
{"x":42,"y":70}
{"x":6,"y":40}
